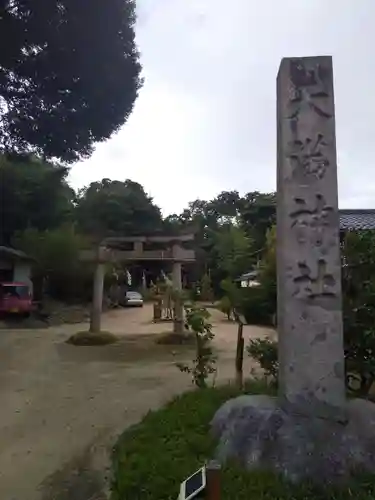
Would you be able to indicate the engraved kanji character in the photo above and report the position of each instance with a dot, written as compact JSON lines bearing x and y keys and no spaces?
{"x":306,"y":90}
{"x":303,"y":214}
{"x":308,"y":156}
{"x":312,"y":287}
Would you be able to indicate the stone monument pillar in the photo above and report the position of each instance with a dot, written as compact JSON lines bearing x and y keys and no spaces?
{"x":310,"y":430}
{"x":310,"y":330}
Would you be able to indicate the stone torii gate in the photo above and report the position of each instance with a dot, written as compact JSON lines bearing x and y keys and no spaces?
{"x":173,"y":251}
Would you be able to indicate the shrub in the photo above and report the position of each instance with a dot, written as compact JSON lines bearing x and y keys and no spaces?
{"x":258,"y":305}
{"x":359,"y":310}
{"x":87,"y":338}
{"x":264,"y":351}
{"x":57,"y":256}
{"x":358,"y":285}
{"x":206,"y":292}
{"x":148,"y":294}
{"x":193,"y":294}
{"x":204,"y":363}
{"x":152,"y":458}
{"x":172,"y":338}
{"x":231,"y":290}
{"x":225,"y":306}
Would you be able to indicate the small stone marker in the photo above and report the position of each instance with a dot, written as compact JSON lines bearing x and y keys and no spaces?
{"x":309,"y":313}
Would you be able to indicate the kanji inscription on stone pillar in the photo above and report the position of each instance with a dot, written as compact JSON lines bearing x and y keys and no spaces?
{"x":310,"y":327}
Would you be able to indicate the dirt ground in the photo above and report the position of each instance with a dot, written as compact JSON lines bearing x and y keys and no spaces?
{"x":63,"y":406}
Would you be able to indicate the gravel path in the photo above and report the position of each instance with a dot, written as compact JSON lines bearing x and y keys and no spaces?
{"x":63,"y":406}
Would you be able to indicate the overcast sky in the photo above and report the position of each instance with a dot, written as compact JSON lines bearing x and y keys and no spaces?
{"x":205,"y":122}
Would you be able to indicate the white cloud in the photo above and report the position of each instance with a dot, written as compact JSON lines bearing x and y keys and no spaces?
{"x":205,"y":119}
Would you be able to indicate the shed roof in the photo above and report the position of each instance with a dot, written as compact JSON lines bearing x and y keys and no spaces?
{"x":13,"y":254}
{"x":251,"y":275}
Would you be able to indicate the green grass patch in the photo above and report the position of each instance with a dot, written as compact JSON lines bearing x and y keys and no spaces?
{"x":153,"y":457}
{"x":87,"y":338}
{"x":172,"y":338}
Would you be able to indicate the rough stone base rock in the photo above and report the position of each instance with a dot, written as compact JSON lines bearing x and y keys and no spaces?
{"x":260,"y":434}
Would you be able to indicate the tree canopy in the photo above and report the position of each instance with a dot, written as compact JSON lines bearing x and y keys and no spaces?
{"x":257,"y":215}
{"x":33,"y":194}
{"x":69,"y":74}
{"x":234,"y":249}
{"x":230,"y":232}
{"x":38,"y":208}
{"x":115,"y":208}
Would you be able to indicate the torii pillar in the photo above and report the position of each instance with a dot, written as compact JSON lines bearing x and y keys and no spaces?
{"x":178,"y":324}
{"x":97,"y":299}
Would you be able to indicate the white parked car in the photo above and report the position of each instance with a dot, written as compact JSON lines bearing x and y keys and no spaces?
{"x":133,"y":299}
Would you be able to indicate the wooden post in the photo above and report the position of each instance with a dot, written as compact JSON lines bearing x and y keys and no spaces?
{"x":239,"y":356}
{"x":213,"y":474}
{"x":97,"y":299}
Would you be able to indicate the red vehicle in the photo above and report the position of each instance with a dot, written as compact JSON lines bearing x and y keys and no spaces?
{"x":15,"y":298}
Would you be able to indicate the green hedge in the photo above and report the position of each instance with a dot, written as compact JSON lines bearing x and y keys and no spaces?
{"x":153,"y":457}
{"x":258,"y":305}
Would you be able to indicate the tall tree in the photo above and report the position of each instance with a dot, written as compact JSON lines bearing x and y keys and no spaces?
{"x":69,"y":74}
{"x":222,"y":248}
{"x":229,"y":205}
{"x":32,"y":194}
{"x":258,"y":214}
{"x":56,"y":254}
{"x":234,"y":250}
{"x":204,"y":220}
{"x":115,"y":208}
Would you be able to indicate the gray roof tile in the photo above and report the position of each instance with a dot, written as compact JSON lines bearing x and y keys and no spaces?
{"x":357,"y":219}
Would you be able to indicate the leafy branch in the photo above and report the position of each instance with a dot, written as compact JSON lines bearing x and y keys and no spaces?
{"x":204,"y":363}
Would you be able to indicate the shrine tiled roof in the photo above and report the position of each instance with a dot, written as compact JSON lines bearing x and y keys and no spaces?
{"x":357,"y":219}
